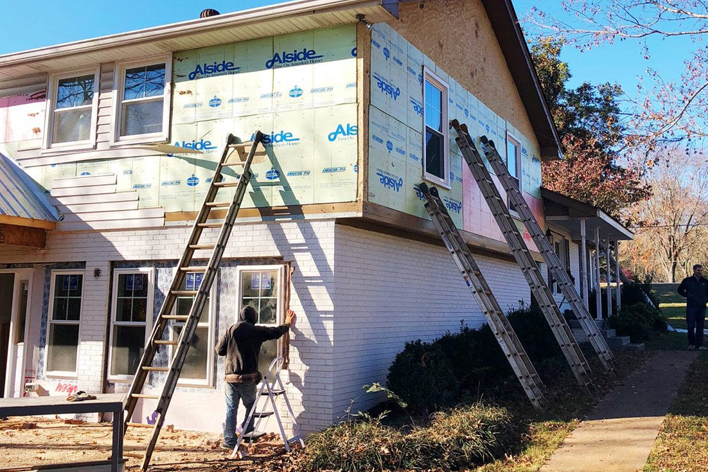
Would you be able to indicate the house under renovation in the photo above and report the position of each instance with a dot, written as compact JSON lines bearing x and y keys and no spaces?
{"x":354,"y":99}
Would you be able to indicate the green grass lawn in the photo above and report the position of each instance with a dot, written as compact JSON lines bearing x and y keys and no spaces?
{"x":673,"y":306}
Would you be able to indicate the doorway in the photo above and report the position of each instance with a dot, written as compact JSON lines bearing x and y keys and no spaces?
{"x":14,"y":309}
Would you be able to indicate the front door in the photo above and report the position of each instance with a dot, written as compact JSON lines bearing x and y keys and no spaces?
{"x":14,"y":306}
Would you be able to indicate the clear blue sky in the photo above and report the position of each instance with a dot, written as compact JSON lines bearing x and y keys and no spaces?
{"x":28,"y":25}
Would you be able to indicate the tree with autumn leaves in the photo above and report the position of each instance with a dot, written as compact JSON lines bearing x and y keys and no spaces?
{"x":591,"y":133}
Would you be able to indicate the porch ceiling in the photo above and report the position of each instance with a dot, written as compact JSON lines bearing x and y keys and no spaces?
{"x":567,"y":213}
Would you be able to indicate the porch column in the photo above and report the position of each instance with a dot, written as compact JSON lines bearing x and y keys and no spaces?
{"x":618,"y":279}
{"x":608,"y":258}
{"x":598,"y":292}
{"x":583,"y":264}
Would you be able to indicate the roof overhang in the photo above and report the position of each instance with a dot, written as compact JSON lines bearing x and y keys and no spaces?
{"x":513,"y":44}
{"x":567,"y":213}
{"x":222,"y":29}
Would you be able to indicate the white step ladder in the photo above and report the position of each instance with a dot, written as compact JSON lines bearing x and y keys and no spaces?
{"x":502,"y":329}
{"x":270,"y":390}
{"x":562,"y":332}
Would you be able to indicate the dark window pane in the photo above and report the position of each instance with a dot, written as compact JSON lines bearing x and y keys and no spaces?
{"x":195,"y":366}
{"x":433,"y":107}
{"x":141,"y":118}
{"x":75,"y":285}
{"x":434,"y":149}
{"x":250,"y":284}
{"x":140,"y":285}
{"x":139,"y":309}
{"x":59,"y":312}
{"x":63,"y":346}
{"x":61,"y":286}
{"x":127,"y":347}
{"x":74,"y":309}
{"x":512,"y":157}
{"x":269,"y":311}
{"x":184,"y":305}
{"x":74,"y":92}
{"x":269,"y":284}
{"x":123,"y":309}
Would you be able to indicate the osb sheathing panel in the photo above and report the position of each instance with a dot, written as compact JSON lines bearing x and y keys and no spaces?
{"x":457,"y":36}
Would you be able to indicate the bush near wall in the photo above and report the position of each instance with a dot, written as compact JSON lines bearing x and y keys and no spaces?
{"x":442,"y":373}
{"x":638,"y":321}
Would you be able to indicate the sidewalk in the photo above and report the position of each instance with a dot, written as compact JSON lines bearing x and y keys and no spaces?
{"x":619,"y":434}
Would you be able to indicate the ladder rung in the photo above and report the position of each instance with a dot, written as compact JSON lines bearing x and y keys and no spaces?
{"x":274,"y":392}
{"x":226,"y":184}
{"x":234,"y":164}
{"x":210,"y":225}
{"x":241,"y":145}
{"x":162,"y":342}
{"x":262,"y":414}
{"x":176,"y":317}
{"x":194,"y":269}
{"x":155,"y":369}
{"x":184,"y":293}
{"x":201,"y":247}
{"x":218,"y":204}
{"x":142,"y":395}
{"x":254,"y":435}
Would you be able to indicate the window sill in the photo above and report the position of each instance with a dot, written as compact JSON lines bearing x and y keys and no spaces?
{"x":62,"y":375}
{"x":435,"y":180}
{"x":69,"y":148}
{"x":140,"y":139}
{"x":204,"y":386}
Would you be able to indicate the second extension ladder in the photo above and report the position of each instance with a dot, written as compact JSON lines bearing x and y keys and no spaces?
{"x":562,"y":332}
{"x":270,"y":390}
{"x":200,"y":291}
{"x":502,"y":329}
{"x":549,"y":256}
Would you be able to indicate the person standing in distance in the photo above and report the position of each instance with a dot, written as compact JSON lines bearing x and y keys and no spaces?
{"x":695,"y":290}
{"x":241,"y":344}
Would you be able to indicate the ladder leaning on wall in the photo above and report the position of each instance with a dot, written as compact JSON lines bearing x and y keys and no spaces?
{"x":562,"y":332}
{"x":502,"y":329}
{"x":200,"y":292}
{"x":552,"y":260}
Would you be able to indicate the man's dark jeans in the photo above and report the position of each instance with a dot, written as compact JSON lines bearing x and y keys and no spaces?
{"x":234,"y":393}
{"x":695,"y":319}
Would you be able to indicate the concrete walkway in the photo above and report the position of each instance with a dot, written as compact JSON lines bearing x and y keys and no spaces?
{"x":619,"y":434}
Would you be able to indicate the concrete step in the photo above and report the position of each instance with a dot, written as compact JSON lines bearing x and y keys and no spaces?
{"x":574,"y":324}
{"x":634,"y":347}
{"x":618,"y":341}
{"x":608,"y":333}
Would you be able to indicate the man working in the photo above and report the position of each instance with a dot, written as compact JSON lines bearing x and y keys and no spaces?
{"x":695,"y":290}
{"x":241,"y":345}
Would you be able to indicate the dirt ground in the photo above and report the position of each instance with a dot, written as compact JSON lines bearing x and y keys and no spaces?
{"x":27,"y":441}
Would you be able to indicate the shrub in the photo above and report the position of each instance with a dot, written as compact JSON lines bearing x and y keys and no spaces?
{"x":460,"y":438}
{"x":354,"y":446}
{"x":431,"y":375}
{"x":423,"y":377}
{"x":638,"y":321}
{"x":455,"y":439}
{"x":637,"y":292}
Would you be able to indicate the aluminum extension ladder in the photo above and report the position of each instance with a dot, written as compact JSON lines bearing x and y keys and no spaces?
{"x":562,"y":332}
{"x":270,"y":390}
{"x":200,"y":293}
{"x":554,"y":264}
{"x":502,"y":329}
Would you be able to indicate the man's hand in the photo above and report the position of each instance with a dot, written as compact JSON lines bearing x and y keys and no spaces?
{"x":290,"y":318}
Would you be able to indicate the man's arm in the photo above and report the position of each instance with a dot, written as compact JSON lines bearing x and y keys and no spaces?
{"x":682,"y":289}
{"x":278,"y":331}
{"x":222,"y":344}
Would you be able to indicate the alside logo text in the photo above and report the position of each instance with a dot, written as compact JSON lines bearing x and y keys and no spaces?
{"x":390,"y":181}
{"x":201,"y":145}
{"x":287,"y":59}
{"x":388,"y":88}
{"x":217,"y":68}
{"x":452,"y":205}
{"x":345,"y":131}
{"x":278,"y":137}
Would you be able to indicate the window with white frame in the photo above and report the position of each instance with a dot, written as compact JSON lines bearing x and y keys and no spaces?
{"x":262,"y":288}
{"x":133,"y":294}
{"x":513,"y":162}
{"x":142,"y":101}
{"x":65,"y":297}
{"x":73,"y":100}
{"x":199,"y":364}
{"x":436,"y":158}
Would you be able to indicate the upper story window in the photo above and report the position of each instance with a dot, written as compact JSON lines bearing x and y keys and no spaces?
{"x":142,"y":101}
{"x":513,"y":162}
{"x":73,"y":101}
{"x":436,"y":158}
